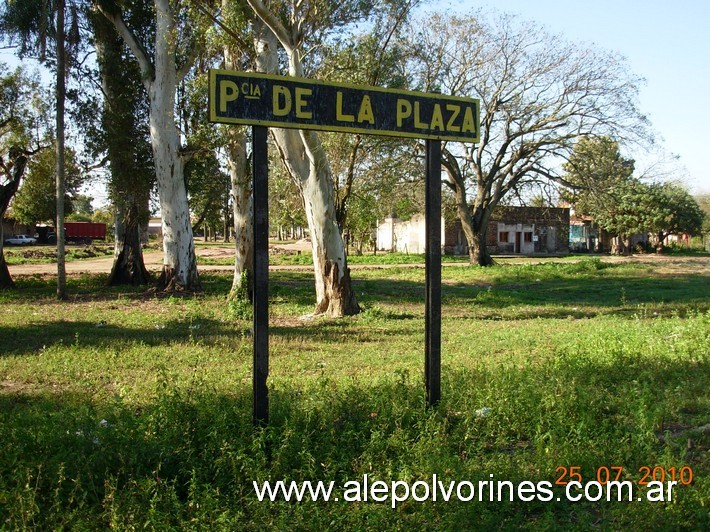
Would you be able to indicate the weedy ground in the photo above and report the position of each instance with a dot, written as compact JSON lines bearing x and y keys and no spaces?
{"x":123,"y":408}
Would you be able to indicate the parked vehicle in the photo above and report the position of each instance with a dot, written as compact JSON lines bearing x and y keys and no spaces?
{"x":80,"y":232}
{"x":20,"y":240}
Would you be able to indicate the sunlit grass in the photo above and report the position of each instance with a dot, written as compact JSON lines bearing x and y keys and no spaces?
{"x":121,"y":408}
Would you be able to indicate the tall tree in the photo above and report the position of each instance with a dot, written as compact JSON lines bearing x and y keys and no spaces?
{"x":538,"y":95}
{"x":239,"y":55}
{"x":60,"y":99}
{"x":29,"y":24}
{"x":598,"y":183}
{"x":287,"y":24}
{"x":124,"y":138}
{"x":164,"y":62}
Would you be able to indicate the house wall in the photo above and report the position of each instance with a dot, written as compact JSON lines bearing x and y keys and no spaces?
{"x":523,"y":230}
{"x":385,"y":234}
{"x":529,"y":230}
{"x":454,"y":239}
{"x":405,"y":236}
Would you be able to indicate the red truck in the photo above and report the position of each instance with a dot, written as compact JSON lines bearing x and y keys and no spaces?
{"x":80,"y":232}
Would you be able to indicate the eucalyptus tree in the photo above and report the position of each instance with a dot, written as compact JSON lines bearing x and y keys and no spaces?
{"x":29,"y":24}
{"x":165,"y":58}
{"x":538,"y":94}
{"x":124,"y":137}
{"x":22,"y":110}
{"x":295,"y":27}
{"x":233,"y":40}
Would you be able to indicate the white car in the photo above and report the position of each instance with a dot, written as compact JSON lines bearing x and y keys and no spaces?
{"x":20,"y":240}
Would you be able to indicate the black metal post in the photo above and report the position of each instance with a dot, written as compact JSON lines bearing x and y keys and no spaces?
{"x":432,"y":362}
{"x":260,"y":296}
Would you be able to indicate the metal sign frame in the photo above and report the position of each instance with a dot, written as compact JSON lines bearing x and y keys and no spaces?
{"x":304,"y":104}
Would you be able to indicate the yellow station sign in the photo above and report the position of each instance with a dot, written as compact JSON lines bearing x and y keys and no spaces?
{"x":280,"y":101}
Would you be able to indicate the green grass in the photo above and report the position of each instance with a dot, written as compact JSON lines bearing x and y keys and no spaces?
{"x":306,"y":259}
{"x":123,"y":409}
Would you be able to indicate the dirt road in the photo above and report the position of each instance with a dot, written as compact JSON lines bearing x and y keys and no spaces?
{"x":153,"y":261}
{"x":666,"y":264}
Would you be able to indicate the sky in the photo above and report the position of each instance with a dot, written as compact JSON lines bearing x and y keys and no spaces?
{"x":665,"y":42}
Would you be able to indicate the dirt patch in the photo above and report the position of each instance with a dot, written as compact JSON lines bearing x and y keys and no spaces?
{"x":662,"y":264}
{"x":667,"y":264}
{"x":214,"y":252}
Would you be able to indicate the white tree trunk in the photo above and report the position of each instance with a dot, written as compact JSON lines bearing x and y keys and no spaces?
{"x":161,"y":78}
{"x":242,"y":200}
{"x":334,"y":295}
{"x":179,"y":262}
{"x":243,"y":208}
{"x":307,"y":163}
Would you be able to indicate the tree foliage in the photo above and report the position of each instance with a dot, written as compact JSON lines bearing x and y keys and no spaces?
{"x":375,"y":57}
{"x":673,"y":210}
{"x":208,"y":186}
{"x":34,"y":202}
{"x":22,"y":128}
{"x":596,"y":175}
{"x":703,"y":201}
{"x":599,"y":183}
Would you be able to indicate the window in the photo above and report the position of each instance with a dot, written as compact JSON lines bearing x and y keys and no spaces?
{"x":528,"y":236}
{"x":503,"y":236}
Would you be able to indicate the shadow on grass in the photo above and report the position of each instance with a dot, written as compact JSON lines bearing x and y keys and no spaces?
{"x":33,"y":338}
{"x":585,"y":283}
{"x":189,"y":456}
{"x":586,"y":297}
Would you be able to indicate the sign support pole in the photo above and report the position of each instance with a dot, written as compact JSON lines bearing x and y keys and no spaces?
{"x":260,"y":295}
{"x":432,"y":361}
{"x":262,"y":100}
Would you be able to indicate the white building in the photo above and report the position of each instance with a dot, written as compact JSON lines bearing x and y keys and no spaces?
{"x":408,"y":236}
